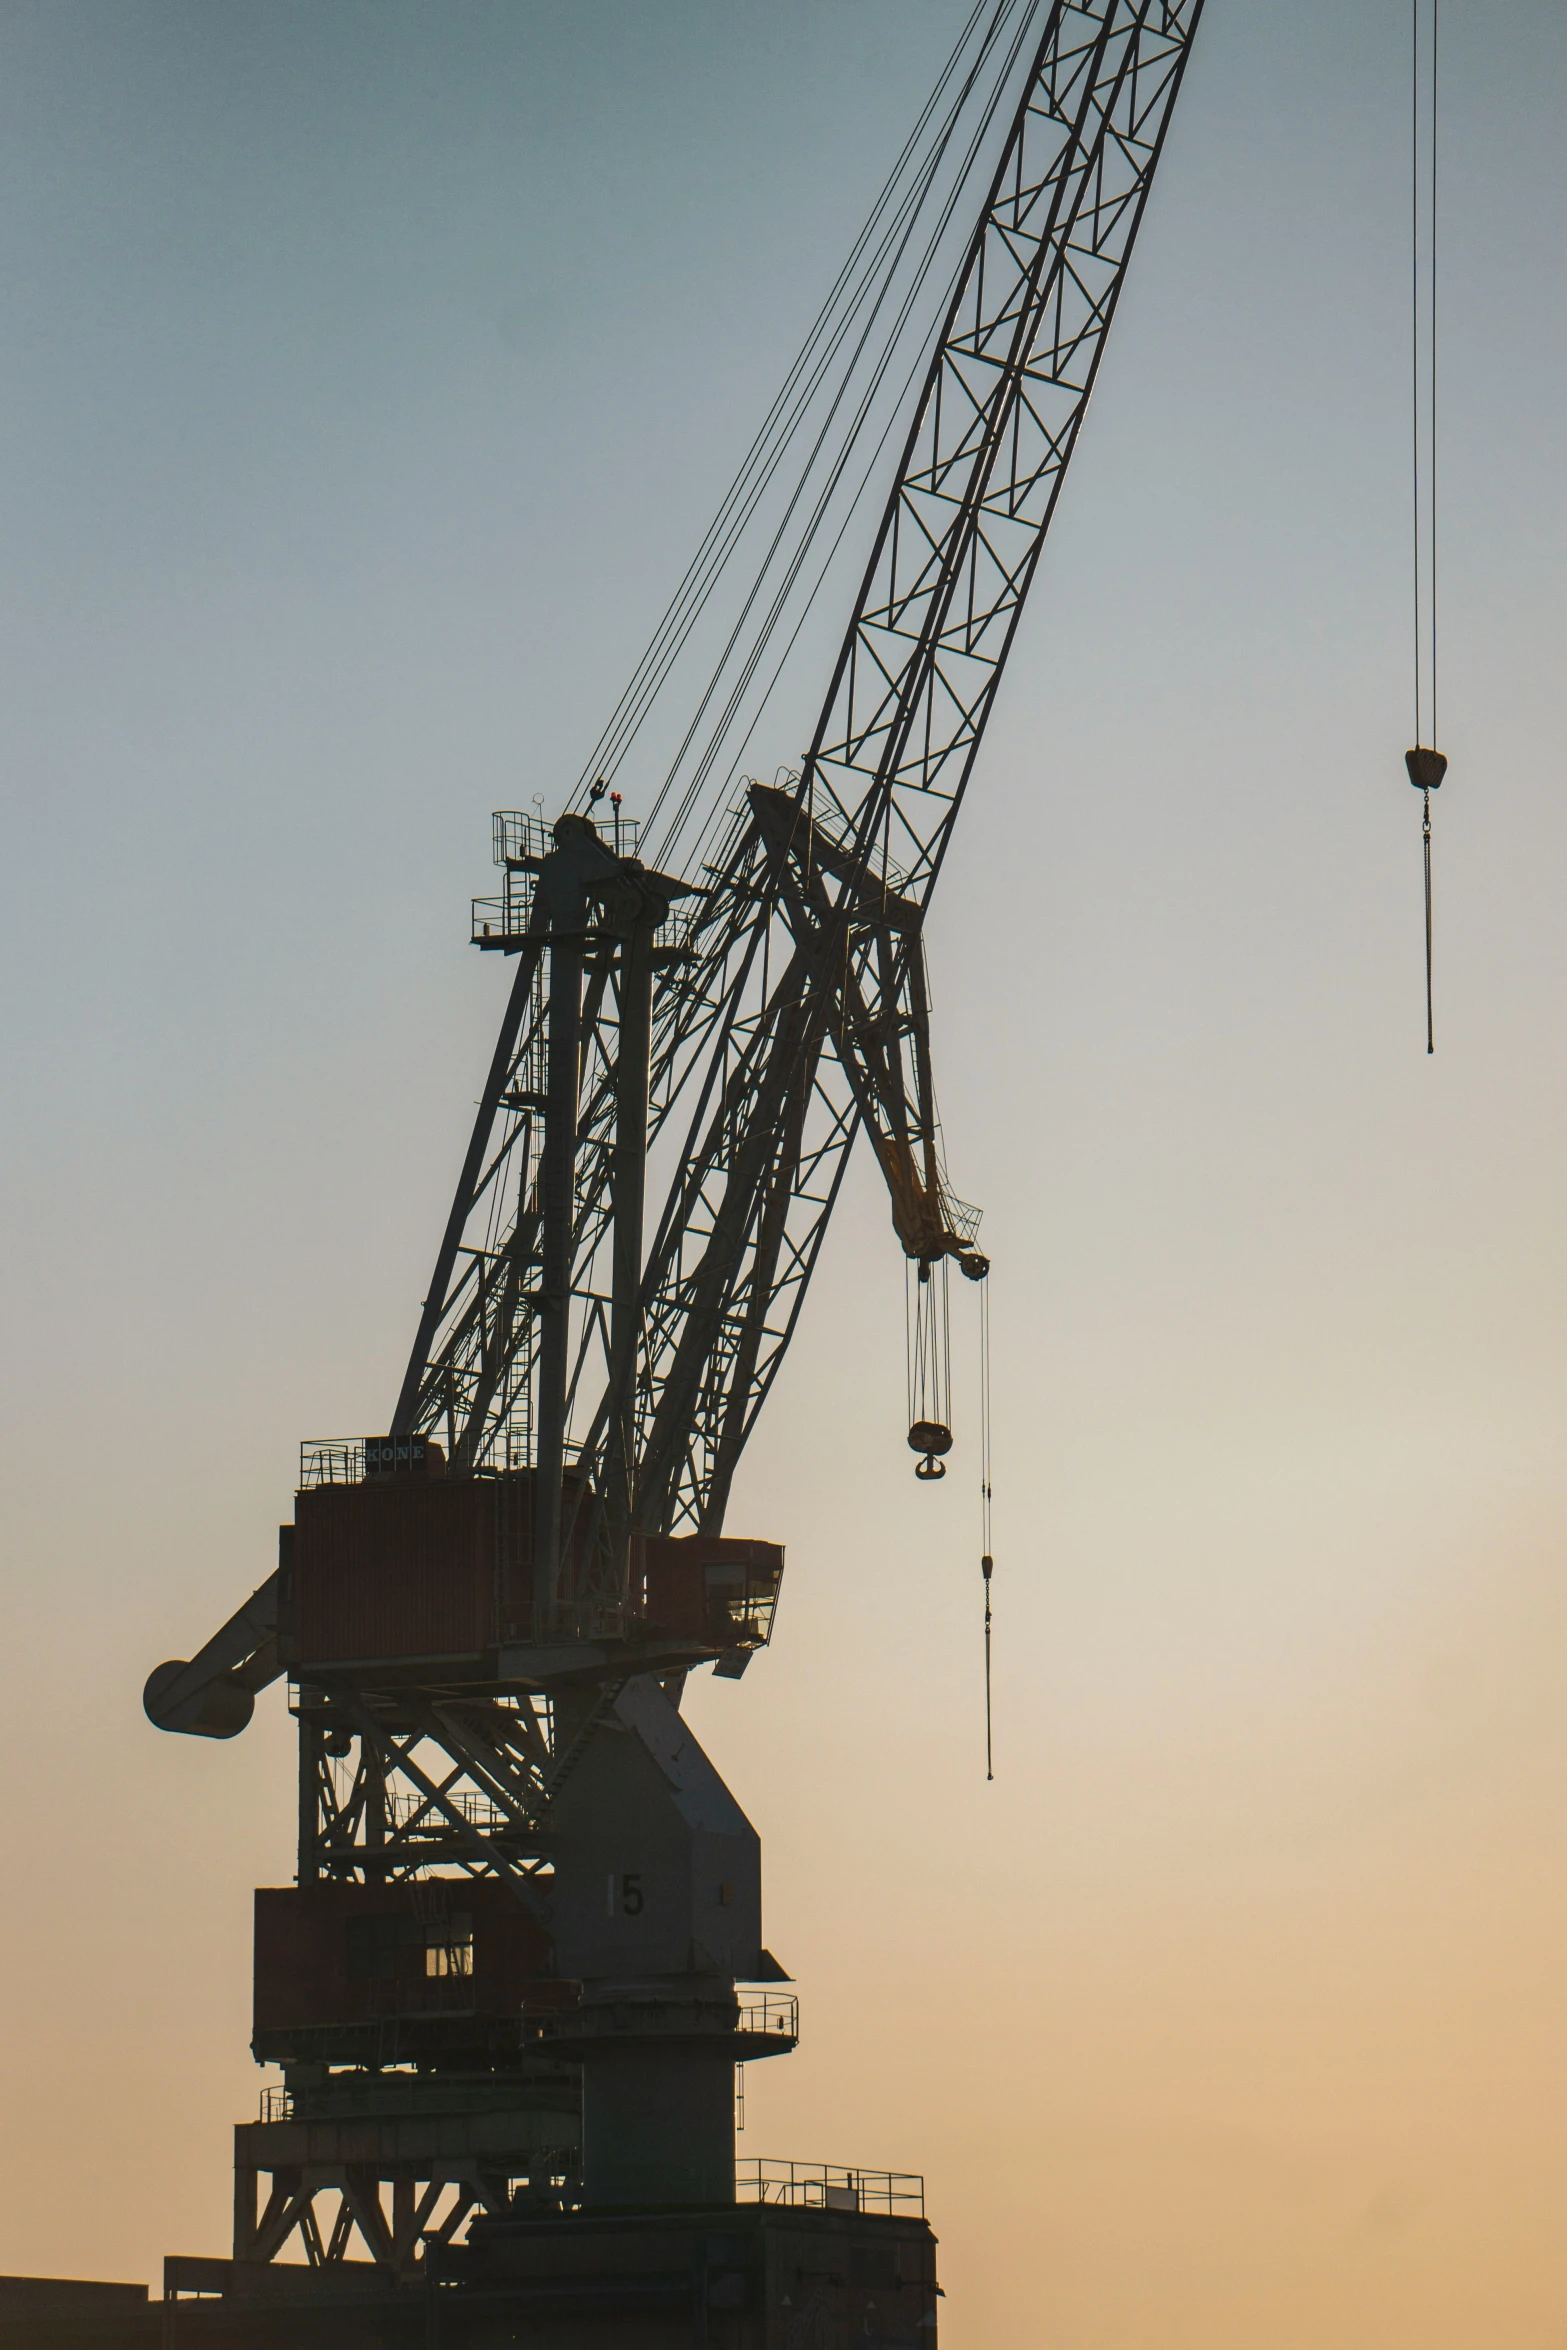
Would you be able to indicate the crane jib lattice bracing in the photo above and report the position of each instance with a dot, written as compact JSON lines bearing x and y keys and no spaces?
{"x":789,"y":1006}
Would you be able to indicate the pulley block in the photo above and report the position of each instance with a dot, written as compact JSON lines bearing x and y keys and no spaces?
{"x":932,"y":1439}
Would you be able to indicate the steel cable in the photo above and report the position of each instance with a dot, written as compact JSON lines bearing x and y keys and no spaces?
{"x":761,"y":460}
{"x":838,"y":467}
{"x":1425,"y":763}
{"x":860,"y":295}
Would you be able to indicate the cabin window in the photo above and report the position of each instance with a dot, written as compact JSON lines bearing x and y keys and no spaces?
{"x":448,"y":1945}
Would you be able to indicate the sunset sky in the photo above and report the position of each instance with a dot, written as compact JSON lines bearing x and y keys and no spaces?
{"x":368,"y":373}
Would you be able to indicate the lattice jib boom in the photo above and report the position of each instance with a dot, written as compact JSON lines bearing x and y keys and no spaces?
{"x":793,"y":1010}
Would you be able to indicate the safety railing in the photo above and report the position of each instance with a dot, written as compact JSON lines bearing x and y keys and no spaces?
{"x":963,"y":1219}
{"x":503,"y":920}
{"x":331,"y":1461}
{"x":829,"y":2186}
{"x":480,"y":1811}
{"x":348,"y":1460}
{"x":519,"y":837}
{"x":277,"y":2105}
{"x":507,"y":916}
{"x":777,"y":2013}
{"x":880,"y":869}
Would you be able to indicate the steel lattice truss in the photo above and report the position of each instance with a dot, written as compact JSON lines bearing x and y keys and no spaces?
{"x":397,"y":1784}
{"x":995,"y":429}
{"x":790,"y":1007}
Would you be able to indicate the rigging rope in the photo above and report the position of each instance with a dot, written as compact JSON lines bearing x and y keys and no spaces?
{"x":839,"y":460}
{"x":1425,"y":763}
{"x":986,"y":1563}
{"x":928,"y":1331}
{"x":855,"y":340}
{"x":767,"y":449}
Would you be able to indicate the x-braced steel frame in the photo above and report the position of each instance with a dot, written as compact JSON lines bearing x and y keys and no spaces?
{"x":394,"y":1784}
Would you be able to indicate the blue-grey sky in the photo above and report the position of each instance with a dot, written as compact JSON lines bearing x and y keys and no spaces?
{"x":367,"y":374}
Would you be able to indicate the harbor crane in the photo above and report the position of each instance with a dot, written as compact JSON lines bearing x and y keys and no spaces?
{"x":524,"y":1953}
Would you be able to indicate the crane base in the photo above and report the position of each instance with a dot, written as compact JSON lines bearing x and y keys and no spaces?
{"x":737,"y":2277}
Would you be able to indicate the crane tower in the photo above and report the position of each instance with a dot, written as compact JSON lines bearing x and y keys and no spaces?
{"x":524,"y":1951}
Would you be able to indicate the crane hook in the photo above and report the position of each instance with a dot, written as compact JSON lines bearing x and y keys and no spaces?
{"x":932,"y":1439}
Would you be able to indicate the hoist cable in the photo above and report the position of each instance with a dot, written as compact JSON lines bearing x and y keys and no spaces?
{"x":765,"y":453}
{"x":1425,"y":836}
{"x":1417,"y":576}
{"x":915,"y":1319}
{"x":865,"y":276}
{"x":838,"y":461}
{"x":946,"y":1334}
{"x":1435,"y":27}
{"x":1425,"y":763}
{"x":986,"y":1564}
{"x":847,"y":342}
{"x":927,"y":1313}
{"x":1423,"y":283}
